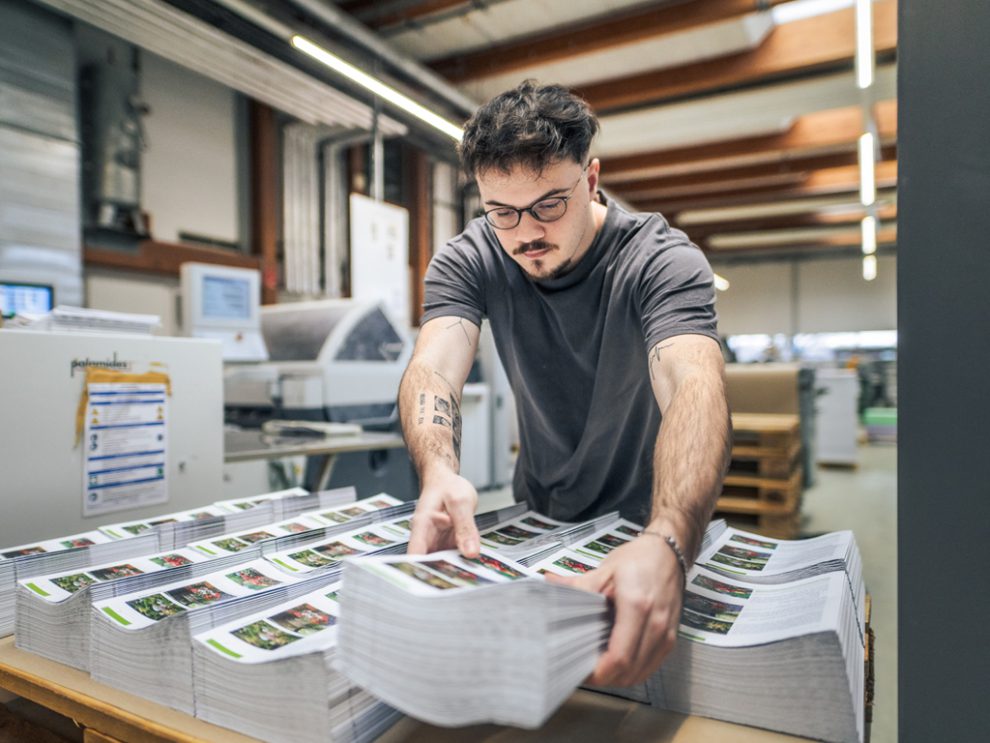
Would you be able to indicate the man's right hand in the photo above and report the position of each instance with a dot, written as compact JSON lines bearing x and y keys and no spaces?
{"x":444,"y":517}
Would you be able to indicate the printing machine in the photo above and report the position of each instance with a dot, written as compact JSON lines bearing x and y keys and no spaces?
{"x":337,"y":360}
{"x":333,"y":360}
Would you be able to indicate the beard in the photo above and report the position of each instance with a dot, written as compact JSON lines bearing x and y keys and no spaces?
{"x":537,"y":269}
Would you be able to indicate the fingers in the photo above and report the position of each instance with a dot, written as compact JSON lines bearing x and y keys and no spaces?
{"x":618,"y":664}
{"x":594,"y":580}
{"x":461,"y":511}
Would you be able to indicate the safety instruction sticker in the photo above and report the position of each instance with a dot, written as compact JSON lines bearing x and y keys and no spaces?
{"x":126,"y":433}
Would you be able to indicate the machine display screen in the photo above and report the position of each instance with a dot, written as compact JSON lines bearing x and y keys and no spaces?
{"x":226,"y":298}
{"x":16,"y":298}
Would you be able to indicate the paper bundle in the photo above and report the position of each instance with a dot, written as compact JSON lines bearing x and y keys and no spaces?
{"x":783,"y":656}
{"x":455,"y":641}
{"x":53,"y":611}
{"x":270,"y":675}
{"x":141,"y":640}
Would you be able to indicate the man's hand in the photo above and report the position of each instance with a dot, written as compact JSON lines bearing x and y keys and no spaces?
{"x":643,"y":581}
{"x":444,"y":517}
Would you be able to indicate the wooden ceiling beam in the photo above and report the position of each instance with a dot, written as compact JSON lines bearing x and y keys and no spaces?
{"x":820,"y":183}
{"x":818,"y":43}
{"x":823,"y":132}
{"x":638,"y":190}
{"x":379,"y":14}
{"x":848,"y":218}
{"x":886,"y":235}
{"x":590,"y":36}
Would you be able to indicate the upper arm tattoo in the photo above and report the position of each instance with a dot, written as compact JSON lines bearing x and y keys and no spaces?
{"x":654,"y":358}
{"x":459,"y":323}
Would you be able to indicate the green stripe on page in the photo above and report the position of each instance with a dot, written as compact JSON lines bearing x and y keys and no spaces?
{"x":222,"y":649}
{"x":204,"y":549}
{"x":114,"y":615}
{"x":113,"y":534}
{"x":37,"y":589}
{"x":721,"y":567}
{"x":284,"y":565}
{"x":689,"y":636}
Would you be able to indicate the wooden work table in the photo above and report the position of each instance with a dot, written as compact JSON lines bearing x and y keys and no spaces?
{"x":107,"y":715}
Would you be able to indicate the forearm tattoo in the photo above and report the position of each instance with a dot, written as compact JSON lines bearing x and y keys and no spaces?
{"x":446,"y":413}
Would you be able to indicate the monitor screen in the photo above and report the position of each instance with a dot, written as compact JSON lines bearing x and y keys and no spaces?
{"x":17,"y":297}
{"x":226,"y":298}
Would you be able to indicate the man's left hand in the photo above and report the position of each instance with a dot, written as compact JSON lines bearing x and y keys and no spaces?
{"x":644,"y":583}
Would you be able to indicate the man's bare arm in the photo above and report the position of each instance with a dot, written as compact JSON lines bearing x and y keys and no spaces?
{"x":695,"y":439}
{"x":429,"y":408}
{"x":643,"y":578}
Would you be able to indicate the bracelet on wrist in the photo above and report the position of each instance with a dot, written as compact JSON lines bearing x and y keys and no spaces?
{"x":675,"y":548}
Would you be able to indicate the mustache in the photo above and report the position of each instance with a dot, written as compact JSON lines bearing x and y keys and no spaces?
{"x":535,"y":245}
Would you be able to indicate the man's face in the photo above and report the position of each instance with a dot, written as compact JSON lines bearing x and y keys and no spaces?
{"x":544,"y":250}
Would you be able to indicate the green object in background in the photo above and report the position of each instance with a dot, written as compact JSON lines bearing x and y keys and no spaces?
{"x":880,"y":417}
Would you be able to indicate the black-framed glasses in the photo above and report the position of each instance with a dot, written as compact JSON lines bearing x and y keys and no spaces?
{"x":544,"y":210}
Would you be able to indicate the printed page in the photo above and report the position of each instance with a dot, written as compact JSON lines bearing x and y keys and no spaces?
{"x":567,"y":562}
{"x":426,"y":575}
{"x":133,"y":528}
{"x":343,"y":514}
{"x":60,"y":586}
{"x":752,"y":554}
{"x":86,"y":539}
{"x":333,"y":549}
{"x":236,"y":505}
{"x":517,"y":532}
{"x":732,"y":613}
{"x":598,"y":545}
{"x":141,"y":609}
{"x":295,"y":627}
{"x":227,"y":544}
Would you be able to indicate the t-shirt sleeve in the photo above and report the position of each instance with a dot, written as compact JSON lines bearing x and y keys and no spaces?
{"x":454,"y":283}
{"x":676,"y":291}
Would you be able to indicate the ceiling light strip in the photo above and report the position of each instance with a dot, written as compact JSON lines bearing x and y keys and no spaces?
{"x":377,"y":87}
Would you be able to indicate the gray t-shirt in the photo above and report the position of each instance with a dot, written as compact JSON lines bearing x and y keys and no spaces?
{"x":575,"y":352}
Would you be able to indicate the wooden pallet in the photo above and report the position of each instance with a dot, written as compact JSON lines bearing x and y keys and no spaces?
{"x":774,"y":466}
{"x":765,"y":435}
{"x":761,"y":495}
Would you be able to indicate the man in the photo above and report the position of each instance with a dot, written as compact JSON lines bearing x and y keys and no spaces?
{"x":605,"y":323}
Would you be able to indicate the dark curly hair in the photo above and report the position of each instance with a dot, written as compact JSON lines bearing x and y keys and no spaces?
{"x":531,"y":125}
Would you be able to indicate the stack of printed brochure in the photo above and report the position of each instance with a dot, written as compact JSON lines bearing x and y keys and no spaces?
{"x":782,"y":656}
{"x":778,"y":644}
{"x":457,"y":641}
{"x":140,"y":639}
{"x":53,"y":612}
{"x":270,"y":675}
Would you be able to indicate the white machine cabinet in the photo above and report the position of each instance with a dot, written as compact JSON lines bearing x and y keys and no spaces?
{"x":836,"y":423}
{"x":41,"y":467}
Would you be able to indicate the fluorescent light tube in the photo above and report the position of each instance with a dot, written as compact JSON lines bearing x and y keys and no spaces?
{"x":868,"y":230}
{"x":377,"y":87}
{"x":864,"y":44}
{"x":801,"y":9}
{"x":867,"y":170}
{"x":869,"y":267}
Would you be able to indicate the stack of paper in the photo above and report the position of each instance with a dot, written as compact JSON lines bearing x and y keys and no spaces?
{"x":140,"y":641}
{"x":269,"y":675}
{"x":60,"y":555}
{"x":134,"y":648}
{"x":53,"y":611}
{"x":782,"y":656}
{"x":455,"y":641}
{"x":759,"y":559}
